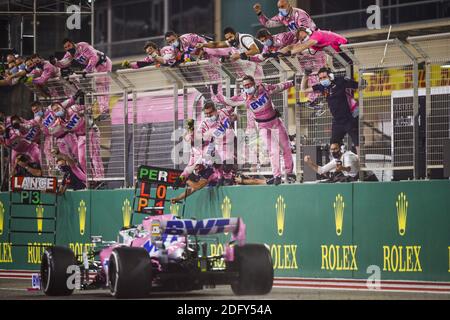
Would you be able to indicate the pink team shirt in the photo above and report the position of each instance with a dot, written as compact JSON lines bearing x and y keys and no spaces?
{"x":260,"y":105}
{"x":49,"y":71}
{"x":327,"y":38}
{"x":220,"y":130}
{"x":280,"y":41}
{"x":16,"y":141}
{"x":295,"y":20}
{"x":85,"y":55}
{"x":189,"y":41}
{"x":74,"y":121}
{"x":169,"y":55}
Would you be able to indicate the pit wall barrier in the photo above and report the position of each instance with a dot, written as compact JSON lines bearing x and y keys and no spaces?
{"x":344,"y":231}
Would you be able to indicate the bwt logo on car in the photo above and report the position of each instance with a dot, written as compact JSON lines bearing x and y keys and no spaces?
{"x":192,"y":227}
{"x":260,"y":102}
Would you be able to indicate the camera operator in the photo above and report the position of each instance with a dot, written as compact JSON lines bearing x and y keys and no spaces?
{"x":344,"y":165}
{"x":24,"y":167}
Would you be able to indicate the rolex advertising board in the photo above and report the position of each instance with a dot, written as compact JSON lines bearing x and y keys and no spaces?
{"x":323,"y":231}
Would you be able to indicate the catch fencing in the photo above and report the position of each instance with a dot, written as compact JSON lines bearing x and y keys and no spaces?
{"x":404,"y":111}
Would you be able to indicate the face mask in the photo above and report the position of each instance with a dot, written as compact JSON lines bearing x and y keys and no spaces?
{"x":268,"y":43}
{"x":250,"y":91}
{"x":60,"y":114}
{"x":72,"y":51}
{"x":39,"y":114}
{"x":213,"y":118}
{"x":336,"y":155}
{"x":325,"y":82}
{"x":64,"y":168}
{"x":175,"y":44}
{"x":233,"y":43}
{"x":283,"y":12}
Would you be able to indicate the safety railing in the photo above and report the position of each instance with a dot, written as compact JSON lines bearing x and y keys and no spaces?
{"x":138,"y":115}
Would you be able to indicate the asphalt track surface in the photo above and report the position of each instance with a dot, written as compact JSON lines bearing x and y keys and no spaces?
{"x":18,"y":290}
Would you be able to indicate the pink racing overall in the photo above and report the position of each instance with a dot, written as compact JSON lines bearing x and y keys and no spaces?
{"x":272,"y":130}
{"x":221,"y":133}
{"x":48,"y":72}
{"x":38,"y":122}
{"x":240,"y":67}
{"x":95,"y":61}
{"x":296,"y":19}
{"x":19,"y":145}
{"x":75,"y":123}
{"x":147,"y":59}
{"x":200,"y":152}
{"x":66,"y":141}
{"x":280,"y":41}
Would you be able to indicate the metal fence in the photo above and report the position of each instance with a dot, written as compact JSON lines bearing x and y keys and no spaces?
{"x":404,"y":81}
{"x":435,"y":88}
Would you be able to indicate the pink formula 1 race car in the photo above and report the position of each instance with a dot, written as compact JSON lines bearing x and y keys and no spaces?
{"x":164,"y":253}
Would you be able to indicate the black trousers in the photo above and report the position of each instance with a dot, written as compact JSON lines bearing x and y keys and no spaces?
{"x":339,"y":130}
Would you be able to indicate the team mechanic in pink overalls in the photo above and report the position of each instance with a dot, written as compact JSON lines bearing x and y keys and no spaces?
{"x":53,"y":123}
{"x":310,"y":61}
{"x":12,"y":138}
{"x":95,"y":61}
{"x":44,"y":70}
{"x":42,"y":119}
{"x":217,"y":128}
{"x":260,"y":108}
{"x":288,"y":16}
{"x":74,"y":121}
{"x":155,"y":56}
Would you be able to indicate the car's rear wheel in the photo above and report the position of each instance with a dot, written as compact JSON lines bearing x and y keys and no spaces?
{"x":254,"y":265}
{"x":130,"y":273}
{"x":55,"y":271}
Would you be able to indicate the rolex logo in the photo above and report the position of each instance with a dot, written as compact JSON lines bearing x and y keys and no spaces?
{"x":82,"y":214}
{"x":402,"y":213}
{"x":339,"y":207}
{"x":174,"y":209}
{"x":280,"y":206}
{"x":2,"y":217}
{"x":226,"y":209}
{"x":126,"y":213}
{"x":40,"y":215}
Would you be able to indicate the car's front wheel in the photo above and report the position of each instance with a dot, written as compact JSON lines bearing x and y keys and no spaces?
{"x":55,"y":272}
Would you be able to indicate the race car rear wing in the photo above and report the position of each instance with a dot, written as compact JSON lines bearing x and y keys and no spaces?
{"x":199,"y":227}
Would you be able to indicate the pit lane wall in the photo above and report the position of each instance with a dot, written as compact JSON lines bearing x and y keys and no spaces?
{"x":324,"y":231}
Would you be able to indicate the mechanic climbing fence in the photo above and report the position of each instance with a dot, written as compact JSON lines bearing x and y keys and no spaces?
{"x":138,"y":115}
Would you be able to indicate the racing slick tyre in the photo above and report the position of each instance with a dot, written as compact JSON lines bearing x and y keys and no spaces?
{"x":254,"y":265}
{"x":55,"y":265}
{"x":130,"y":273}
